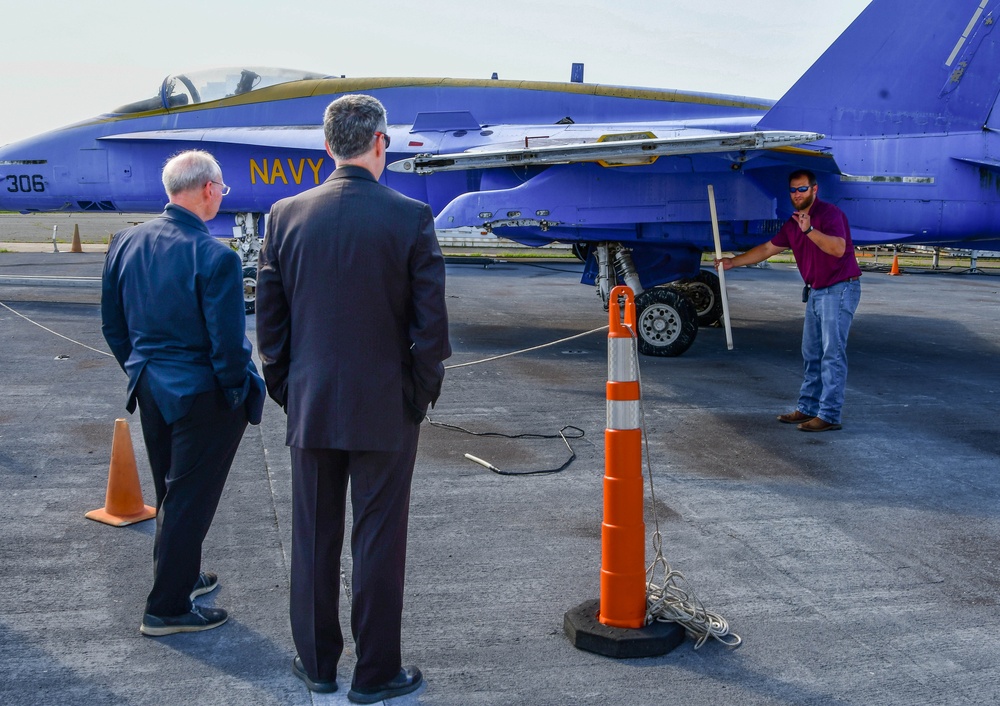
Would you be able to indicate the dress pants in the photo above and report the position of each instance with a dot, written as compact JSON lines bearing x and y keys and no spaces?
{"x":190,"y":460}
{"x":380,"y":500}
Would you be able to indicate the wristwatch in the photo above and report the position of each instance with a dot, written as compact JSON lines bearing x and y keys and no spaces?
{"x":808,"y":230}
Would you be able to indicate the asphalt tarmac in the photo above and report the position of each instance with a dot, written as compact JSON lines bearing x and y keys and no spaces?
{"x":859,"y":566}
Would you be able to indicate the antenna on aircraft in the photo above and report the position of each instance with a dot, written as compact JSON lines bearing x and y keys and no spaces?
{"x":576,"y":75}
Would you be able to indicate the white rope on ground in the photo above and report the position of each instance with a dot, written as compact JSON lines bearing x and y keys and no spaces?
{"x":54,"y":333}
{"x":666,"y":601}
{"x":447,"y":367}
{"x":525,"y":350}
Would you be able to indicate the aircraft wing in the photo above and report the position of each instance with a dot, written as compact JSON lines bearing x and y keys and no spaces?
{"x":609,"y":150}
{"x":292,"y":137}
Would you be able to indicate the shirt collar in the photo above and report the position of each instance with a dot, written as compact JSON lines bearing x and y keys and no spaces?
{"x":179,"y":213}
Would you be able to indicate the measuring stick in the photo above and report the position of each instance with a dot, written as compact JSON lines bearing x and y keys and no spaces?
{"x":721,"y":269}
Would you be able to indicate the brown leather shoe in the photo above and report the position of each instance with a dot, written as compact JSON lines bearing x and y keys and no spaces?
{"x":817,"y":424}
{"x":794,"y":417}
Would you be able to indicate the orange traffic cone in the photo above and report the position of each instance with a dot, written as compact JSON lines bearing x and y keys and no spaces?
{"x":614,"y":625}
{"x":623,"y":543}
{"x":123,"y":503}
{"x":895,"y":266}
{"x":76,"y":247}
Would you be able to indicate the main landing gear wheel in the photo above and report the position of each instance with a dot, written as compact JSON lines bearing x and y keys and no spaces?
{"x":666,"y":320}
{"x":705,"y":292}
{"x":250,"y":289}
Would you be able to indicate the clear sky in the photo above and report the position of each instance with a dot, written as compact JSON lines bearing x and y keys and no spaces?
{"x":64,"y":61}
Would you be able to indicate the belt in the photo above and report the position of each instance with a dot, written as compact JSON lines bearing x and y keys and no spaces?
{"x":843,"y":281}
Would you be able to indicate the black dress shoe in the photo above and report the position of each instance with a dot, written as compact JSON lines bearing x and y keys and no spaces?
{"x":197,"y":619}
{"x":409,"y":679}
{"x":322,"y":687}
{"x":206,"y":583}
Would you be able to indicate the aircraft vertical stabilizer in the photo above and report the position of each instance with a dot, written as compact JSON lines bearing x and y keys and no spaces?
{"x":902,"y":68}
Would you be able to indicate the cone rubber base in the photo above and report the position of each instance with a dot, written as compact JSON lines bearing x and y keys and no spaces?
{"x":588,"y":633}
{"x":102,"y":515}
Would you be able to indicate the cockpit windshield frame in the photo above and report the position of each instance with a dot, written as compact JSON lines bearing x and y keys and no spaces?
{"x":196,"y":87}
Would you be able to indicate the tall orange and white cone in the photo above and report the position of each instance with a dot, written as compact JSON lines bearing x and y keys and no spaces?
{"x":614,"y":625}
{"x":123,"y":503}
{"x":623,"y":532}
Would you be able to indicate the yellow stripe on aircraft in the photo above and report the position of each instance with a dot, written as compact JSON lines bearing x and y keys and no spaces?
{"x":328,"y":86}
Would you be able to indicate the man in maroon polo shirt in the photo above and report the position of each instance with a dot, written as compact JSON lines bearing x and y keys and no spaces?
{"x":820,"y":239}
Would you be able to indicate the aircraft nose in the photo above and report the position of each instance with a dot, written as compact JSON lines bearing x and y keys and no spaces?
{"x":20,"y":188}
{"x":25,"y":179}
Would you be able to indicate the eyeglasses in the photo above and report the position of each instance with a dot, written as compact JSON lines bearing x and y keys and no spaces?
{"x":800,"y":189}
{"x":385,"y":138}
{"x":223,"y":187}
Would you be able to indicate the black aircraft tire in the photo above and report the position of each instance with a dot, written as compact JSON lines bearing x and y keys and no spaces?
{"x":666,"y":322}
{"x":705,"y":292}
{"x":250,"y":289}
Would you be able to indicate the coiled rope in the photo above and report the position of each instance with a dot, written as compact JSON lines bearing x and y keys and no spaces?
{"x":666,"y":600}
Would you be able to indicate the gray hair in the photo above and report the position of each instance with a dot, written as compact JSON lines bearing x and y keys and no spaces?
{"x":350,"y":123}
{"x":190,"y":170}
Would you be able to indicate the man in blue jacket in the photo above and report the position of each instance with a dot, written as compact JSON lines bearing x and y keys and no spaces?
{"x":173,"y":314}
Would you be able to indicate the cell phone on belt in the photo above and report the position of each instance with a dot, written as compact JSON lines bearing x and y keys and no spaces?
{"x":805,"y":293}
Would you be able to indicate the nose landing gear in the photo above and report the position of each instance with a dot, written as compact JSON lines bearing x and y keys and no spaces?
{"x":666,"y":319}
{"x":666,"y":322}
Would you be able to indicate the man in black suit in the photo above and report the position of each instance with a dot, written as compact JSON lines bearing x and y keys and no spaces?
{"x":172,"y":312}
{"x":352,"y":331}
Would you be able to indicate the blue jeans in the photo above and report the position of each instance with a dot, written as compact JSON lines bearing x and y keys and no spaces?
{"x":829,"y":313}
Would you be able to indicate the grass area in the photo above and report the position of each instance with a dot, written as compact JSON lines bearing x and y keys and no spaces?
{"x":910,"y":259}
{"x":866,"y":258}
{"x":532,"y":254}
{"x":883,"y":258}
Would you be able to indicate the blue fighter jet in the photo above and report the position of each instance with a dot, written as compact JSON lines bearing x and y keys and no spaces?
{"x":896,"y":118}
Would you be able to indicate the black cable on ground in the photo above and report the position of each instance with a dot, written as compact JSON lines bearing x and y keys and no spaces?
{"x":560,"y":435}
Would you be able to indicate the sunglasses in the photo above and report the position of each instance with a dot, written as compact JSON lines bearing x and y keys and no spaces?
{"x":793,"y":189}
{"x":385,"y":137}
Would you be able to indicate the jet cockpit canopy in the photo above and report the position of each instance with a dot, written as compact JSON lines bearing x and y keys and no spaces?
{"x":212,"y":84}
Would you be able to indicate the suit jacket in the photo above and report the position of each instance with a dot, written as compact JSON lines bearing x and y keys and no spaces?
{"x":352,"y":326}
{"x":172,"y":307}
